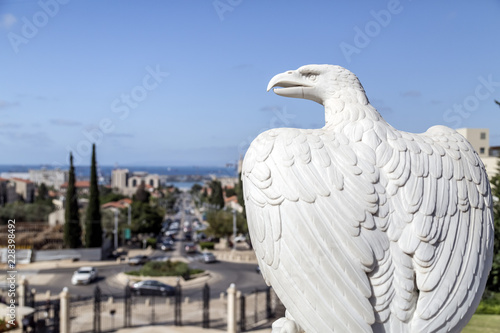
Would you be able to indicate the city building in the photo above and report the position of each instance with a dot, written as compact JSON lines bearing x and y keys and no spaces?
{"x":480,"y":141}
{"x":120,"y":204}
{"x":25,"y":189}
{"x":82,"y":187}
{"x":7,"y":192}
{"x":228,"y":182}
{"x":127,"y":183}
{"x":52,"y":178}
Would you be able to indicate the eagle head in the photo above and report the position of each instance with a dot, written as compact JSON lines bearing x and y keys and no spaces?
{"x":318,"y":83}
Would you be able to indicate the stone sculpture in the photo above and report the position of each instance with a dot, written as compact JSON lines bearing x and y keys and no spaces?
{"x":360,"y":227}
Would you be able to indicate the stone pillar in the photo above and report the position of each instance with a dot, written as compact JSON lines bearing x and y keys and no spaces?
{"x":23,"y":289}
{"x":231,"y":309}
{"x":64,"y":318}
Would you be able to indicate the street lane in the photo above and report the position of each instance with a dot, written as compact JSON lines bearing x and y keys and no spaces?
{"x":243,"y":275}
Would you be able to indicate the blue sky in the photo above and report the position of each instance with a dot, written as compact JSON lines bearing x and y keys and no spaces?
{"x":184,"y":82}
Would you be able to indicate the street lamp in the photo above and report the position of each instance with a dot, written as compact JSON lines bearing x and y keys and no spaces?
{"x":129,"y":217}
{"x":115,"y":232}
{"x":234,"y":229}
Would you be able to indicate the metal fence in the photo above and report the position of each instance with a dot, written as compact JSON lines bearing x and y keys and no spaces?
{"x":106,"y":313}
{"x":45,"y":318}
{"x":258,"y":308}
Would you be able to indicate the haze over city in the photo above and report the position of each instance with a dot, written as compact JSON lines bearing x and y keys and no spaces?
{"x":184,"y":83}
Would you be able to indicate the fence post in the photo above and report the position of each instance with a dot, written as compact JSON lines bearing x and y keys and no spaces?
{"x":256,"y":307}
{"x":126,"y":312}
{"x":243,"y":322}
{"x":153,"y":309}
{"x":178,"y":304}
{"x":64,"y":314}
{"x":269,"y":312}
{"x":97,"y":310}
{"x":206,"y":306}
{"x":56,"y":311}
{"x":231,"y":309}
{"x":31,"y":301}
{"x":23,"y":289}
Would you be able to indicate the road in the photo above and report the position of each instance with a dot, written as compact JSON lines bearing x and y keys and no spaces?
{"x":243,"y":275}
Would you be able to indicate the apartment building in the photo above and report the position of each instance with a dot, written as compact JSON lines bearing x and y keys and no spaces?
{"x":127,"y":183}
{"x":55,"y":178}
{"x":480,"y":140}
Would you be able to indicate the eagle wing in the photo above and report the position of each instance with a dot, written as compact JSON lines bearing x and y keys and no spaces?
{"x":310,"y":203}
{"x":441,"y":217}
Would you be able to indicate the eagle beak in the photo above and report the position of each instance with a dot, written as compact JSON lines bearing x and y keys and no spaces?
{"x":292,"y":84}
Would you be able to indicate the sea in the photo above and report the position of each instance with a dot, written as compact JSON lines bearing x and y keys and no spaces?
{"x":83,"y":172}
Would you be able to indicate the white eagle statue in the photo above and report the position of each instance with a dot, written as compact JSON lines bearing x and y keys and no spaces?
{"x":359,"y":227}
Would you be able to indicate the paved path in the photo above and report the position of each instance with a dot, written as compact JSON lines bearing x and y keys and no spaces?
{"x":169,"y":329}
{"x":174,"y":329}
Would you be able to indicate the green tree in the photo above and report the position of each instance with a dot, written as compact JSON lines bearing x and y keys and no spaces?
{"x":72,"y":228}
{"x":493,"y":283}
{"x":229,"y":192}
{"x":221,"y":223}
{"x":145,"y":219}
{"x":217,"y":197}
{"x":141,"y":195}
{"x":23,"y":212}
{"x":196,"y":188}
{"x":110,"y":196}
{"x":43,"y":193}
{"x":239,"y":193}
{"x":93,"y":223}
{"x":43,"y":197}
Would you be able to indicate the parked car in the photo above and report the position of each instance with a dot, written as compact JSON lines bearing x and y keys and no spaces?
{"x":171,"y":232}
{"x":240,"y":238}
{"x":208,"y":257}
{"x":152,"y":287}
{"x":166,"y":246}
{"x":160,"y":258}
{"x":138,"y":260}
{"x":84,"y":275}
{"x":191,"y":248}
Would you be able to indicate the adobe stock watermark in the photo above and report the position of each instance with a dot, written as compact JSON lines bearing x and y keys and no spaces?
{"x":364,"y":36}
{"x":224,"y":6}
{"x":460,"y":111}
{"x":31,"y":27}
{"x":120,"y":107}
{"x":280,"y":119}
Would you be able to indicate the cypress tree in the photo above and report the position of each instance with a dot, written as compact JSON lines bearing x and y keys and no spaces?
{"x":93,"y":224}
{"x":239,"y":193}
{"x":72,"y":228}
{"x":141,"y":194}
{"x":217,"y":197}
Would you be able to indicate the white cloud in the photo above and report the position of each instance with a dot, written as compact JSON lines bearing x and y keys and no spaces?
{"x":5,"y":104}
{"x":65,"y":122}
{"x":7,"y":20}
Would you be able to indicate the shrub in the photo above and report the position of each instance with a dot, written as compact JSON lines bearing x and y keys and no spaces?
{"x":169,"y":268}
{"x":490,"y":304}
{"x":151,"y":242}
{"x":207,"y":245}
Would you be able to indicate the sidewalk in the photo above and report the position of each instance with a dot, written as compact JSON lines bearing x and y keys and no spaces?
{"x":175,"y":329}
{"x":169,"y":329}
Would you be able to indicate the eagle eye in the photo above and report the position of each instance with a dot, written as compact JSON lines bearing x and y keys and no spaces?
{"x":311,"y":76}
